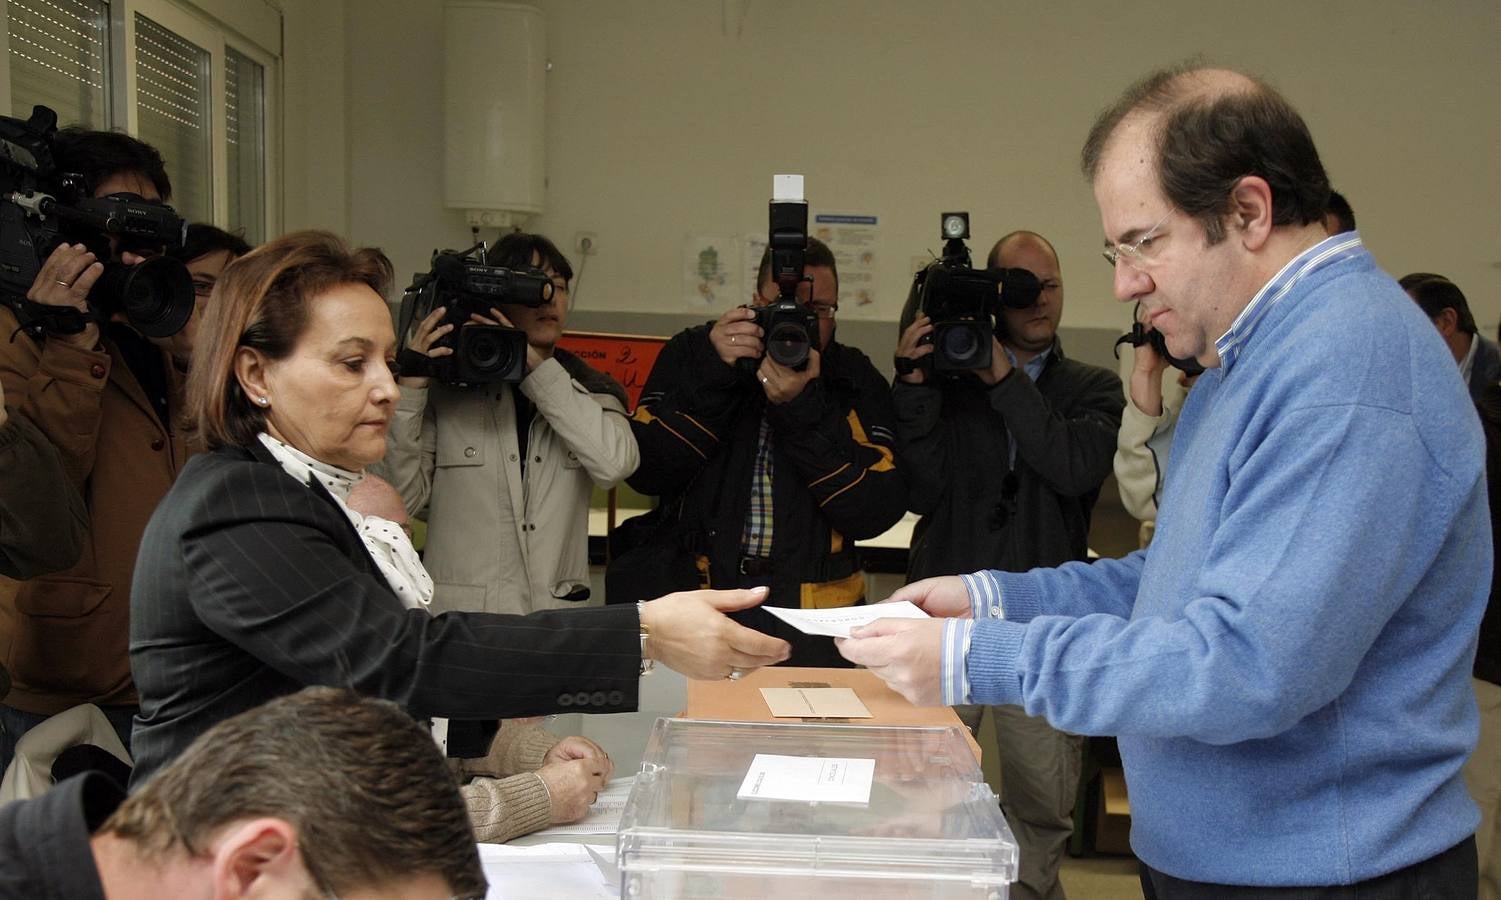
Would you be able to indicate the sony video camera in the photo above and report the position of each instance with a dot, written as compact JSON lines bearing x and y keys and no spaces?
{"x":464,"y":284}
{"x":41,"y":208}
{"x":964,"y":303}
{"x":788,"y":326}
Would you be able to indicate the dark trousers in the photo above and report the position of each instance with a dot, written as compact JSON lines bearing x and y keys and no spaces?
{"x":1451,"y":875}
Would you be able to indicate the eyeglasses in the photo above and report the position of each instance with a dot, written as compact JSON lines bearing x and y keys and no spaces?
{"x":1134,"y":254}
{"x":822,"y":310}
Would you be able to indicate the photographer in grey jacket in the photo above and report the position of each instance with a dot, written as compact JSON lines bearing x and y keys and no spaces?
{"x":505,"y":471}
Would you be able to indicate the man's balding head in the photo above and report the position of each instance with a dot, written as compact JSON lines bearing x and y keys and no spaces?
{"x":1208,"y":129}
{"x":1017,"y":240}
{"x":1030,"y":331}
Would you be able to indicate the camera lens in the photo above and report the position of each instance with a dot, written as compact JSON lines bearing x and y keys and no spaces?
{"x":787,"y":345}
{"x":960,"y":344}
{"x":155,"y":295}
{"x":489,"y":354}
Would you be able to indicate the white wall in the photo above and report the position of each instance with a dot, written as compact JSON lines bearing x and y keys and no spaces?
{"x":668,"y":117}
{"x":315,"y":144}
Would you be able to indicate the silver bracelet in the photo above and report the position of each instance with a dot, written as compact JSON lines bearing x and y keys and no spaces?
{"x":646,"y":662}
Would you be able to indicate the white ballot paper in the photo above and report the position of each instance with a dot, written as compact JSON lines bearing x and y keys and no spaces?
{"x":546,"y":870}
{"x":604,"y":815}
{"x":816,"y":778}
{"x":838,"y":622}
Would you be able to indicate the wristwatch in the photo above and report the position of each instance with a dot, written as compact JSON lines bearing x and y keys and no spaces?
{"x":646,"y":662}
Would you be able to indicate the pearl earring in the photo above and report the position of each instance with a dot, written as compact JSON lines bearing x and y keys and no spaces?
{"x":264,"y":401}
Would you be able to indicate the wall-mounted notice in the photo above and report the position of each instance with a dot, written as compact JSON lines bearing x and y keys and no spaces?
{"x":855,"y":241}
{"x":711,"y":272}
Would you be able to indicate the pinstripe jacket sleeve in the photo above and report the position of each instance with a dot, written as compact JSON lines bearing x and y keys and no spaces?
{"x":251,"y":585}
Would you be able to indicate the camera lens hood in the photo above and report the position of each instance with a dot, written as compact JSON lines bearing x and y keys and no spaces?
{"x":155,"y":295}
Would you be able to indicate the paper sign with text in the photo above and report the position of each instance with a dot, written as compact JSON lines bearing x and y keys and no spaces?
{"x":627,"y":358}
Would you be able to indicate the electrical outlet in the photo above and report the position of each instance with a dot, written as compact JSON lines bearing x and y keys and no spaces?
{"x":586,"y":243}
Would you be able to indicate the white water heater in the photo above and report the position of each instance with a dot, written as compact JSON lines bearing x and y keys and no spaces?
{"x":494,"y":87}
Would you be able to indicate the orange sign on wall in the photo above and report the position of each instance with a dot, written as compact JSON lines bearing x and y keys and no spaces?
{"x":627,"y":358}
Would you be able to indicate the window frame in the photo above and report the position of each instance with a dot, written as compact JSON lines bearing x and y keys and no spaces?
{"x":214,"y":35}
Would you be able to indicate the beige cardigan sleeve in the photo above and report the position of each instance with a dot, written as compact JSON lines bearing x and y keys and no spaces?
{"x":1137,"y":470}
{"x":504,"y":808}
{"x":506,"y":799}
{"x":517,"y":748}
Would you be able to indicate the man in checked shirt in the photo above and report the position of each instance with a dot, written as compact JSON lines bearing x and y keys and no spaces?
{"x":778,"y":471}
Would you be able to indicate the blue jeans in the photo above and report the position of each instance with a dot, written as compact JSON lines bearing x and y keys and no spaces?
{"x":15,"y":722}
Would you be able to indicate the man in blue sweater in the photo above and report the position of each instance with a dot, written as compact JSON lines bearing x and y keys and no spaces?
{"x":1287,"y":665}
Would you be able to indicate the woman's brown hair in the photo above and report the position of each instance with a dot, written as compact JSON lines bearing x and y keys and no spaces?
{"x":262,"y":302}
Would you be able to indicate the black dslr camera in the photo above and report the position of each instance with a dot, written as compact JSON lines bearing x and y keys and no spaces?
{"x":789,"y":328}
{"x":463,"y":284}
{"x":964,"y":302}
{"x":41,"y":208}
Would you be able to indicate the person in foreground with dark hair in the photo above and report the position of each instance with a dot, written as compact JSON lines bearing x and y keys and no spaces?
{"x":316,"y":794}
{"x":106,"y":398}
{"x":506,"y":471}
{"x":255,"y":578}
{"x":777,"y":471}
{"x":1287,"y":666}
{"x":1446,"y":307}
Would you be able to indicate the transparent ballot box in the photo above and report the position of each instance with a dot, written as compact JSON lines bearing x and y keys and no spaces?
{"x":768,"y":810}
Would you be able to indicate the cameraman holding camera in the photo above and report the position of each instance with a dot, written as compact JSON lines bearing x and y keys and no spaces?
{"x":105,"y":397}
{"x":777,"y":470}
{"x":1005,"y":463}
{"x":506,"y":469}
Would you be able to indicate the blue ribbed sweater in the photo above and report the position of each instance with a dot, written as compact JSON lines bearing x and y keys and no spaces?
{"x":1287,"y":666}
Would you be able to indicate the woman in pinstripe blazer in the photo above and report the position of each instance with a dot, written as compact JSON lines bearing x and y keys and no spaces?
{"x":253,"y":579}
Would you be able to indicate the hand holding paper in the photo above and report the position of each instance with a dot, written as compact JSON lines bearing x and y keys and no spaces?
{"x":907,"y":655}
{"x":942,"y":597}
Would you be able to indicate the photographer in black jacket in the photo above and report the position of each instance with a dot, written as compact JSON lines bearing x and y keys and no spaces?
{"x":777,"y":471}
{"x":1004,"y":465}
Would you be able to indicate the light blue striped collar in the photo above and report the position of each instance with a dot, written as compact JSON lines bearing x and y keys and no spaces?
{"x":1326,"y":252}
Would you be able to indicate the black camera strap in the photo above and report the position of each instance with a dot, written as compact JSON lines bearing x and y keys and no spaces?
{"x":411,"y":363}
{"x":36,"y":318}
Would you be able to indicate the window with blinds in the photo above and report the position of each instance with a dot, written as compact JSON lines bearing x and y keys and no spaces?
{"x":245,"y":127}
{"x":173,"y":114}
{"x":59,"y":53}
{"x":192,"y":93}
